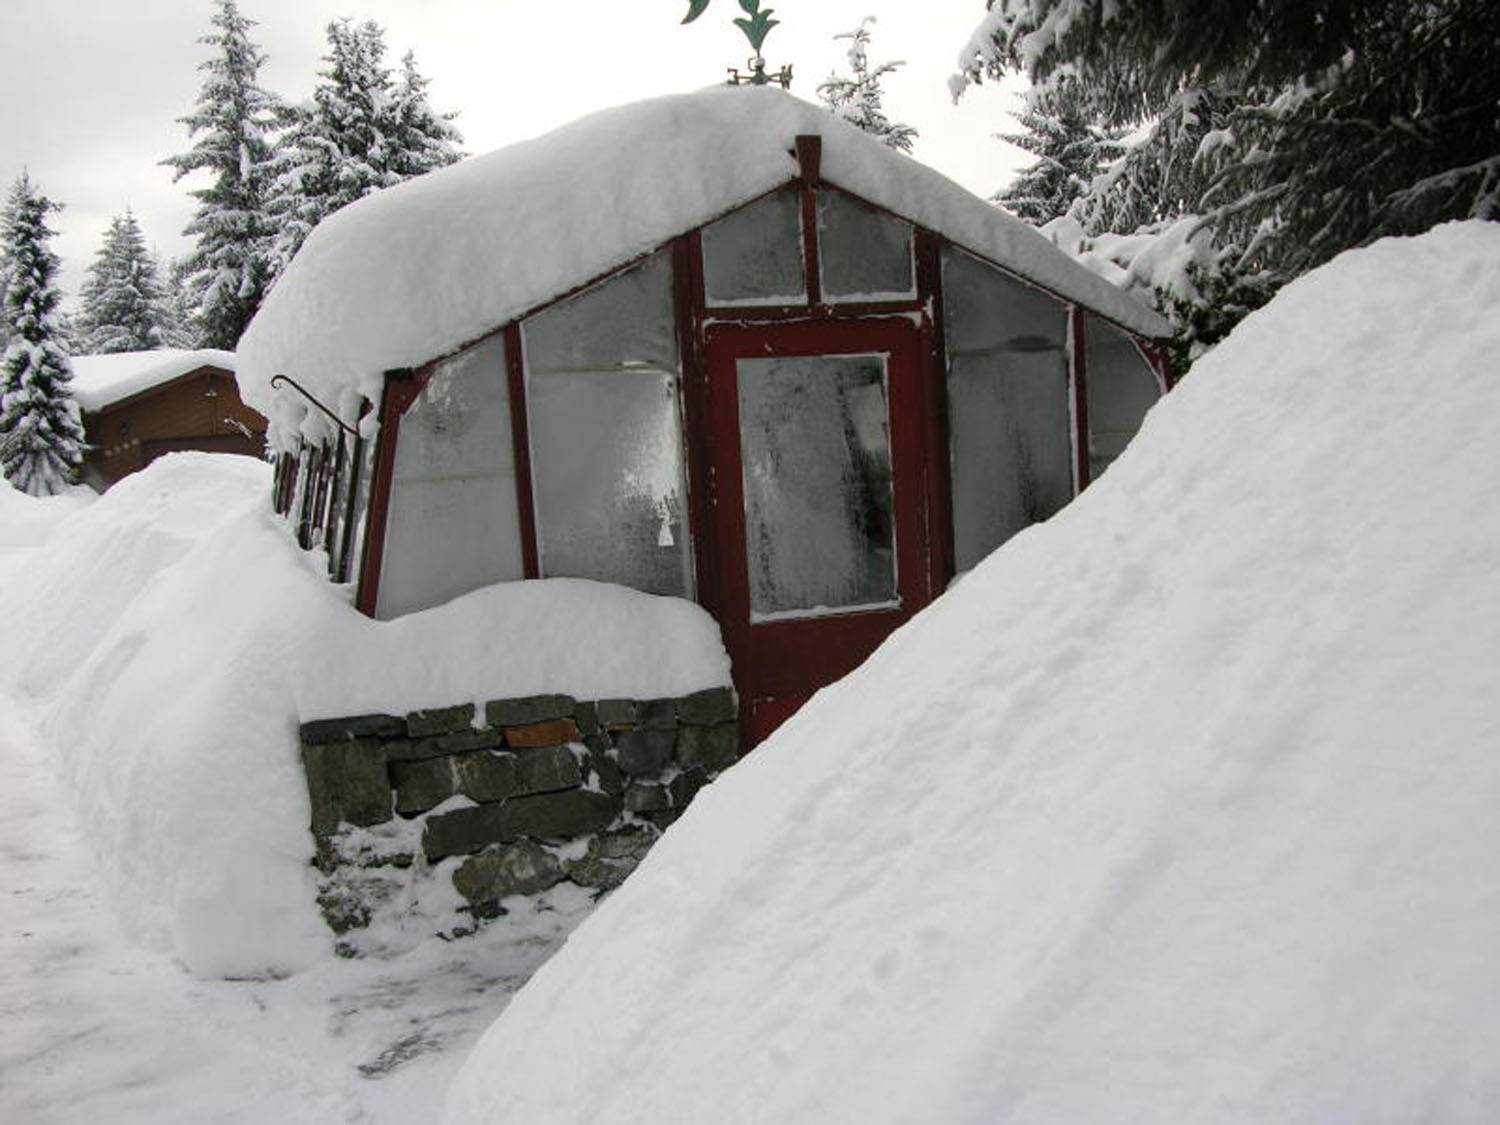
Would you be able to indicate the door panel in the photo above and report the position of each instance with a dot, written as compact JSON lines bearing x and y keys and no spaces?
{"x":819,"y":501}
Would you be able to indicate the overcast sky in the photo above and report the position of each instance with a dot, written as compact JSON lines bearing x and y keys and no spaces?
{"x":90,"y":90}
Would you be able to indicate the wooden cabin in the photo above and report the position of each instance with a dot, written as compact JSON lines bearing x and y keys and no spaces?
{"x":722,"y":347}
{"x":139,"y":405}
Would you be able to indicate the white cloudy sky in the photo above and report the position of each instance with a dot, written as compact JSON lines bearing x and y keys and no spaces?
{"x":90,"y":90}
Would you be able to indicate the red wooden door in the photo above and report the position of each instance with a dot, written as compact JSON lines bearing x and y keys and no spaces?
{"x":818,"y":457}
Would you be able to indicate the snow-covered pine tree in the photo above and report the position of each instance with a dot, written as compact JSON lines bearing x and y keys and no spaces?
{"x":177,"y":297}
{"x":857,"y":97}
{"x":1070,"y":149}
{"x":1348,"y":121}
{"x":361,"y":132}
{"x":423,"y":139}
{"x":228,"y":270}
{"x":122,"y":305}
{"x":41,"y":435}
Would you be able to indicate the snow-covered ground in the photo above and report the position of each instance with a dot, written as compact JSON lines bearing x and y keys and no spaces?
{"x":160,"y":644}
{"x":1183,"y":807}
{"x":95,"y":1029}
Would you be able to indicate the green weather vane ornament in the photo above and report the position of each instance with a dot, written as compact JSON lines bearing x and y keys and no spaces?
{"x":756,"y":28}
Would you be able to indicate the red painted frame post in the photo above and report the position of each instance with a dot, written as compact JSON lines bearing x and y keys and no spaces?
{"x":520,"y":437}
{"x":1078,"y":377}
{"x":401,"y":390}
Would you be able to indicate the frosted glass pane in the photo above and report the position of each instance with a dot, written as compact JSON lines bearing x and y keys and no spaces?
{"x":753,"y":256}
{"x":606,"y":435}
{"x":626,"y":321}
{"x":453,"y":523}
{"x":815,"y":448}
{"x":1009,"y":421}
{"x":1121,"y":388}
{"x":865,"y":254}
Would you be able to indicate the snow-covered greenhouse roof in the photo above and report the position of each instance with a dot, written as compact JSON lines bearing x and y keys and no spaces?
{"x":410,"y":273}
{"x":103,"y":380}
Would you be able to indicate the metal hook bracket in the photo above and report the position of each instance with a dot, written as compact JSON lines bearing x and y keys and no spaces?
{"x":300,"y":389}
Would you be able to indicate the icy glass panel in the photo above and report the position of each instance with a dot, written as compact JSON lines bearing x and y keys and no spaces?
{"x":817,"y":468}
{"x":606,"y":435}
{"x":753,"y":256}
{"x":866,"y":255}
{"x":1009,"y":420}
{"x":1121,"y":388}
{"x":453,"y":523}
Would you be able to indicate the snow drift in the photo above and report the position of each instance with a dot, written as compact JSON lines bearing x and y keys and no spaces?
{"x":170,"y":636}
{"x":1182,"y":807}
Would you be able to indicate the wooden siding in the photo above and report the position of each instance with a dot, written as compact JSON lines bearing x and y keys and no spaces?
{"x":198,"y":410}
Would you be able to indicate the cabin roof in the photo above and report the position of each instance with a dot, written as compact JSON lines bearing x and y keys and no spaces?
{"x":410,"y":273}
{"x":100,"y":381}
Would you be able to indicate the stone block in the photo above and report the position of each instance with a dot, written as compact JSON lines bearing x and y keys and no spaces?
{"x":347,"y":729}
{"x":551,"y":733}
{"x":463,"y":831}
{"x":460,"y":742}
{"x":662,"y":818}
{"x":657,"y":714}
{"x":575,"y":812}
{"x":586,"y":715}
{"x":346,"y":782}
{"x":485,"y":776}
{"x":441,"y":720}
{"x":616,"y":714}
{"x":522,"y":868}
{"x":684,"y":787}
{"x":528,"y":710}
{"x":422,"y":785}
{"x":607,"y":771}
{"x":647,"y":797}
{"x":705,"y":708}
{"x":611,"y":857}
{"x":709,"y":749}
{"x":546,"y":769}
{"x":644,"y":753}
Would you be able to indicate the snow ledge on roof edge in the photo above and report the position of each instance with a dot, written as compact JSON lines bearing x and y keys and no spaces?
{"x":411,"y":273}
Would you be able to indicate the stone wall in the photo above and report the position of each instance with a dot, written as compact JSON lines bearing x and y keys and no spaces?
{"x":537,"y":792}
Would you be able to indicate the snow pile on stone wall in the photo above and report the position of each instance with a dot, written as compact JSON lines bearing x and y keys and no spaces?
{"x":171,"y":637}
{"x":1181,"y":807}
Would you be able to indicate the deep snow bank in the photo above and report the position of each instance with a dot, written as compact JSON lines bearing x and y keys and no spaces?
{"x":1181,"y":808}
{"x":172,"y":636}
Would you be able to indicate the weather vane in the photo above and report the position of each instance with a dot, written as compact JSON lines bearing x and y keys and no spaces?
{"x":756,"y":28}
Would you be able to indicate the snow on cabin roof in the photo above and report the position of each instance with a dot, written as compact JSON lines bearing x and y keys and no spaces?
{"x":103,"y":380}
{"x":410,"y":273}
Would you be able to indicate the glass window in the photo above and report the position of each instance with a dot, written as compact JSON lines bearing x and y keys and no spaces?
{"x":753,"y":256}
{"x":1121,"y":388}
{"x":606,"y":435}
{"x":816,"y":453}
{"x":1009,"y":418}
{"x":866,"y":255}
{"x":453,"y":524}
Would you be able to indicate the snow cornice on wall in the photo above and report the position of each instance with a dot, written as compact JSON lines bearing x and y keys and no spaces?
{"x":410,"y":273}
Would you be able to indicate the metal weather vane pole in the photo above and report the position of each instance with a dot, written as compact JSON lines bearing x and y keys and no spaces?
{"x":756,"y":27}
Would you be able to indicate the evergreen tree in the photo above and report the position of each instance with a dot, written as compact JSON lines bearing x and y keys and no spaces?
{"x":177,"y":299}
{"x":227,"y":272}
{"x":41,"y":436}
{"x":857,"y":97}
{"x":124,"y":308}
{"x":1071,"y":151}
{"x":1340,"y":121}
{"x":423,"y":139}
{"x":361,"y":132}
